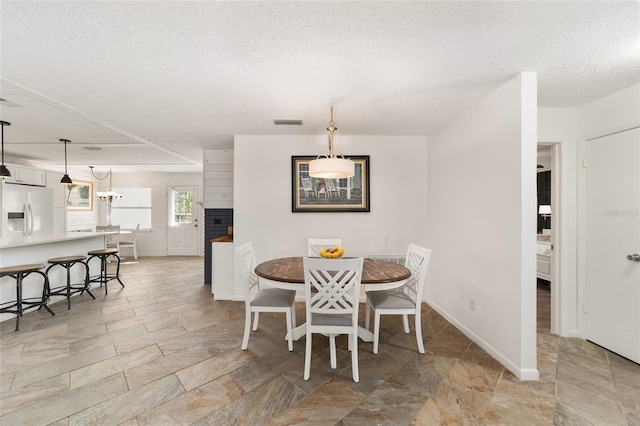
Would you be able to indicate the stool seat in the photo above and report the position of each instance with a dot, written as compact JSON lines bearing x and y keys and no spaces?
{"x":66,"y":259}
{"x":19,"y":273}
{"x":67,"y":262}
{"x":102,"y":252}
{"x":9,"y":270}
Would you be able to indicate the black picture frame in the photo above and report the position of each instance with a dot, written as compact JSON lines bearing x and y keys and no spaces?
{"x":329,"y":195}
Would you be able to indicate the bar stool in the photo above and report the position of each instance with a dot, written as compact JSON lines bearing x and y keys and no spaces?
{"x":18,"y":273}
{"x":105,"y":277}
{"x":68,"y":262}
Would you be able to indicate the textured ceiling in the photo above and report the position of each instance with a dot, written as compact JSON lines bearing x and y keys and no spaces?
{"x":153,"y":83}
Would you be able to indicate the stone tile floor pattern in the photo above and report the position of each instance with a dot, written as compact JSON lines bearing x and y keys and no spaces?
{"x":162,"y":352}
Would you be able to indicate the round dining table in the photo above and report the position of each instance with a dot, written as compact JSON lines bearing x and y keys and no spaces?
{"x":288,"y":273}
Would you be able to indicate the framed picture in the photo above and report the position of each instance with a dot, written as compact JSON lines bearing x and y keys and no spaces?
{"x":310,"y":194}
{"x":79,"y":195}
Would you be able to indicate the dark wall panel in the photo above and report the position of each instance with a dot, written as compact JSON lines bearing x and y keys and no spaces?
{"x":216,"y":222}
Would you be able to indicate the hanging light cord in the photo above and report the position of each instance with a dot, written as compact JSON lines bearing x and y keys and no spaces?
{"x":65,"y":155}
{"x":108,"y":175}
{"x":97,"y":177}
{"x":65,"y":179}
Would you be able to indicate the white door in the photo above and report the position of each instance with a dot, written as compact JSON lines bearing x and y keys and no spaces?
{"x":183,"y":233}
{"x":612,"y":241}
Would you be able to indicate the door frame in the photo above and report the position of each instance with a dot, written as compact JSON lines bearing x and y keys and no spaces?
{"x":197,"y":216}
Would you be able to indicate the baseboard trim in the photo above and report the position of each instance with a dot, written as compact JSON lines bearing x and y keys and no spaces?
{"x":521,"y":373}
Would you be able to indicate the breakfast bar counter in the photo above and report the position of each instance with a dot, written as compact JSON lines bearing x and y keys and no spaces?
{"x":13,"y":242}
{"x":38,"y":249}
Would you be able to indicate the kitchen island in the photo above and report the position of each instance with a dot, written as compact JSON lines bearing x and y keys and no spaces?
{"x":38,"y":249}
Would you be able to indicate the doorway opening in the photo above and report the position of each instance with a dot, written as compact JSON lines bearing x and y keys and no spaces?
{"x":548,"y":237}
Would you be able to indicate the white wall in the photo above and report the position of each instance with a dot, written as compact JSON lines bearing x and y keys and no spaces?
{"x":613,"y":113}
{"x":262,"y":194}
{"x":155,"y":243}
{"x":481,"y":217}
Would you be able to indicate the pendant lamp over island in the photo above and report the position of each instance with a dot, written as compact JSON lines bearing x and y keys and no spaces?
{"x":65,"y":179}
{"x":4,"y":172}
{"x":332,"y":166}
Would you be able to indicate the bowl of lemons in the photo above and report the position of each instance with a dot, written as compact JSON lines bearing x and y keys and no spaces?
{"x":332,"y":252}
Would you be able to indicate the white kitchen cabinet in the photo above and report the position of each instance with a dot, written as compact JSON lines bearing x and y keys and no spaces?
{"x":26,"y":176}
{"x":222,"y":270}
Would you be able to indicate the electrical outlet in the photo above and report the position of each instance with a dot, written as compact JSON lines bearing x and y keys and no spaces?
{"x":472,"y":304}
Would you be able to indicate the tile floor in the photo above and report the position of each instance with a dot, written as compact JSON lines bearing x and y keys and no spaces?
{"x":162,"y":352}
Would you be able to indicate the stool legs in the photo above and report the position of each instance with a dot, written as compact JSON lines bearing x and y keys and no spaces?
{"x":45,"y":292}
{"x":104,"y":276}
{"x":20,"y":304}
{"x":69,"y":289}
{"x":19,"y":277}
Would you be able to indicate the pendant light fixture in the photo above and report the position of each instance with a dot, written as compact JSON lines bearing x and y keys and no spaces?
{"x":110,"y":195}
{"x":65,"y":179}
{"x":332,"y":166}
{"x":4,"y":172}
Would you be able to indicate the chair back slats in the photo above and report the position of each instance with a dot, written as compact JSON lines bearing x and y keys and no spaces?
{"x":111,"y":240}
{"x":332,"y":291}
{"x":417,"y":262}
{"x":332,"y":286}
{"x":248,"y":266}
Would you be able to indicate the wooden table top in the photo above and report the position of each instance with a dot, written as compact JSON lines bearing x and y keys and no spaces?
{"x":291,"y":270}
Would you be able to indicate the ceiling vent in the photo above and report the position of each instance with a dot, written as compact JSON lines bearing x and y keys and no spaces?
{"x":92,"y":148}
{"x":287,"y":122}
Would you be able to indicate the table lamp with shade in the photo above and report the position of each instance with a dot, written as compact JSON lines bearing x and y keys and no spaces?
{"x":544,"y":210}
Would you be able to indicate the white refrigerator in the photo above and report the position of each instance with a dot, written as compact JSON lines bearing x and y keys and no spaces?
{"x":26,"y":210}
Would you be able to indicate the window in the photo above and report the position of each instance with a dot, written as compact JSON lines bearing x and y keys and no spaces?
{"x":183,"y":207}
{"x":181,"y":204}
{"x":132,"y":209}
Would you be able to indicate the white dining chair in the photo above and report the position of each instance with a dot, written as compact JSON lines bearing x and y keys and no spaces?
{"x":263,"y":300}
{"x":332,"y":294}
{"x":405,"y":300}
{"x":316,"y":244}
{"x":129,"y":240}
{"x":111,"y":241}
